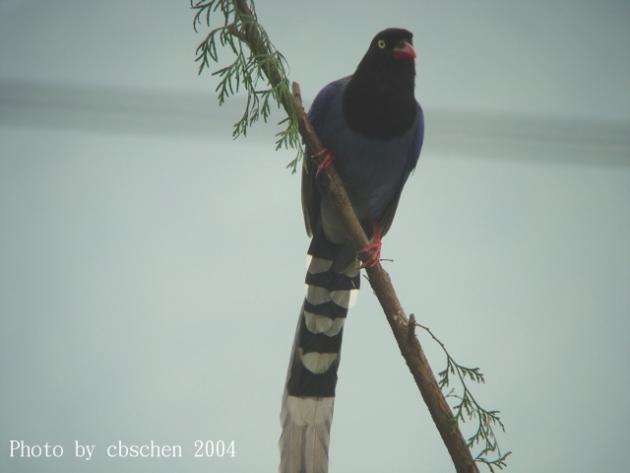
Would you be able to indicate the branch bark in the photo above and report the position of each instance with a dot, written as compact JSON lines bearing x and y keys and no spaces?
{"x":402,"y":326}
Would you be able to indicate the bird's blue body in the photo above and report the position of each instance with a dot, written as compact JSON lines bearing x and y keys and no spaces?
{"x":373,"y":170}
{"x":372,"y":125}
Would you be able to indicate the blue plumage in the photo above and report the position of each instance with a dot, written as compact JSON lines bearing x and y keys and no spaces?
{"x":372,"y":125}
{"x":373,"y":170}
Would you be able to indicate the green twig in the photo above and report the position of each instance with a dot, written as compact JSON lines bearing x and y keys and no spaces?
{"x":253,"y":67}
{"x":467,"y":408}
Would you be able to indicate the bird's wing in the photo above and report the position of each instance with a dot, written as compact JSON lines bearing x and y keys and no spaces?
{"x":310,"y":193}
{"x":413,"y":154}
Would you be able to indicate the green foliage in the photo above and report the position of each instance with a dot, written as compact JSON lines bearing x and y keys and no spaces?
{"x":257,"y":68}
{"x":466,"y":408}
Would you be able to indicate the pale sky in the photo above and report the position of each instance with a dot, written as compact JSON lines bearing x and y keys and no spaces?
{"x":151,"y":269}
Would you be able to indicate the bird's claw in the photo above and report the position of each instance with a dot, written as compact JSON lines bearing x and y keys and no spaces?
{"x":371,"y":254}
{"x":326,"y":161}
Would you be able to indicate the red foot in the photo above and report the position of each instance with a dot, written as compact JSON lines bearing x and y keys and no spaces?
{"x":327,"y":160}
{"x":371,"y":254}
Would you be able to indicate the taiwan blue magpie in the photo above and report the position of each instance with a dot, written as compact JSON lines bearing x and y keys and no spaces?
{"x":372,"y":128}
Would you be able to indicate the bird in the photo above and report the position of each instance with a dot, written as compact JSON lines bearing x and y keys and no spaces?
{"x":372,"y":129}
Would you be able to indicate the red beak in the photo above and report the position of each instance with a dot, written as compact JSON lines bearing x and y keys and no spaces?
{"x":404,"y":50}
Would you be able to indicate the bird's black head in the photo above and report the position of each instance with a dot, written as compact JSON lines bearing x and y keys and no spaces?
{"x":379,"y":99}
{"x":391,"y":46}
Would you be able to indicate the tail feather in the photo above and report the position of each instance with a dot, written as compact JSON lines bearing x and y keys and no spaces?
{"x":307,"y":406}
{"x":305,"y":434}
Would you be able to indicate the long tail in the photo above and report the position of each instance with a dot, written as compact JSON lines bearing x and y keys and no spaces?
{"x":332,"y":281}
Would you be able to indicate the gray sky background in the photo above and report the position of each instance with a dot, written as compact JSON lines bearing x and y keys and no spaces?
{"x":151,"y":269}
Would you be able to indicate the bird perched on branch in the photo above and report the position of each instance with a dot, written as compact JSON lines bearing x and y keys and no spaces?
{"x":372,"y":128}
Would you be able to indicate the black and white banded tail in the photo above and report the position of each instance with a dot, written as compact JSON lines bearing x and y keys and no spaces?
{"x":332,"y":283}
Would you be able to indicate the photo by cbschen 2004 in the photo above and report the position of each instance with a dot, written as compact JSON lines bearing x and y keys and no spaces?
{"x":372,"y":127}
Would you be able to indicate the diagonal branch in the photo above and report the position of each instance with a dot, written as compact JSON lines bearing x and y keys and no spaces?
{"x":401,"y":325}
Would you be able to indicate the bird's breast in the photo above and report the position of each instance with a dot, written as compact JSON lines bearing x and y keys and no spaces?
{"x":371,"y":169}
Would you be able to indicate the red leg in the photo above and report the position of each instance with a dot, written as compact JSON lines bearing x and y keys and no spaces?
{"x":371,"y":253}
{"x":327,"y":160}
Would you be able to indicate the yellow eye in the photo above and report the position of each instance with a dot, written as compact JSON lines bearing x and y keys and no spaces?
{"x":381,"y":43}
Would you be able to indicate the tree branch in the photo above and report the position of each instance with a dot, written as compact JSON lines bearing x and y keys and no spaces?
{"x":402,"y":327}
